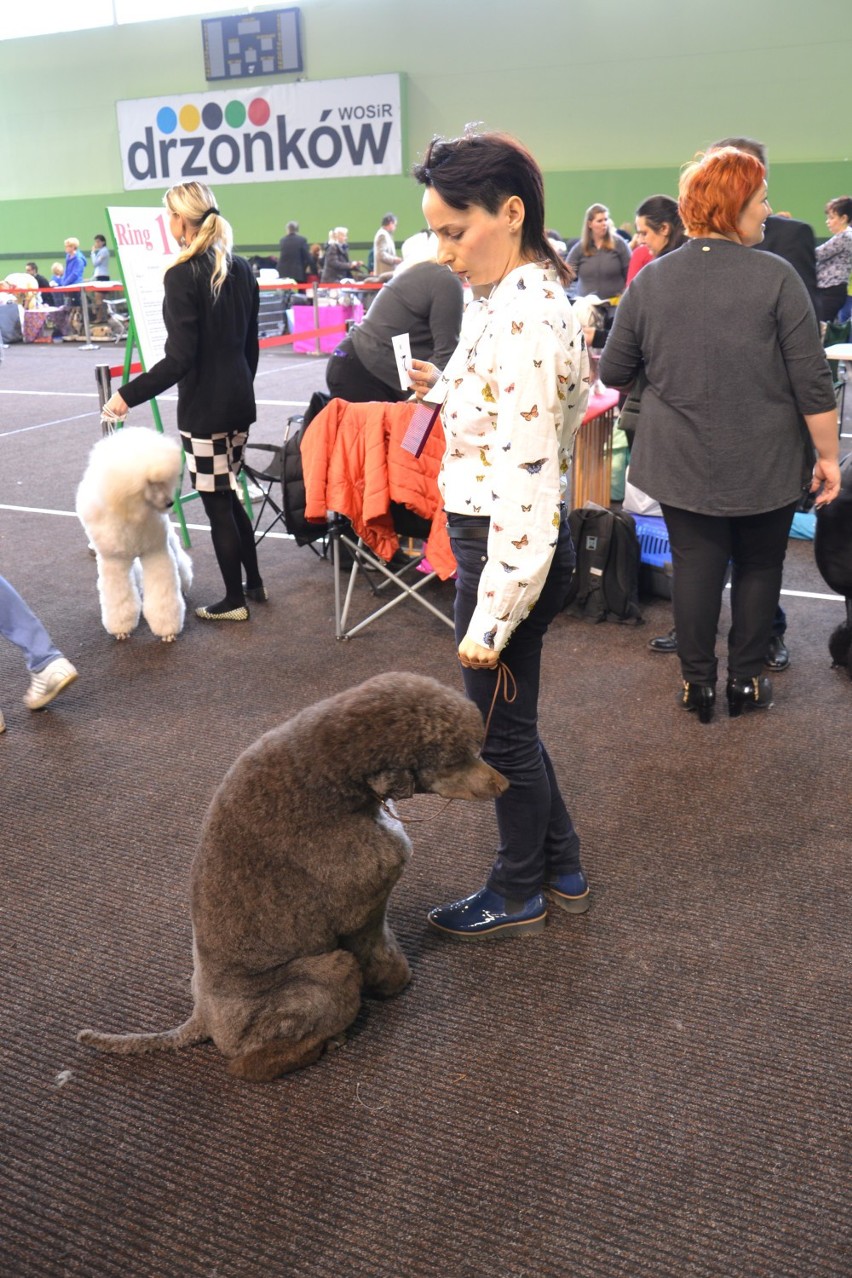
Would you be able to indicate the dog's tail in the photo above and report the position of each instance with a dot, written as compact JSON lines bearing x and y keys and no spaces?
{"x":192,"y":1031}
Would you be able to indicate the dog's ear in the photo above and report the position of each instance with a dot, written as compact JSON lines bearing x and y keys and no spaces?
{"x":392,"y":783}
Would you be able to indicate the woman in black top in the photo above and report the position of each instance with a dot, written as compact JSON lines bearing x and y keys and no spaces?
{"x":210,"y":311}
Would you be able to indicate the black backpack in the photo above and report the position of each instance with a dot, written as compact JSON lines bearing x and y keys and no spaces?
{"x":605,"y":583}
{"x":292,"y":479}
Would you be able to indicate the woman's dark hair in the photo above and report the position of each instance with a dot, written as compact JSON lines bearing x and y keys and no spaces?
{"x":842,"y":206}
{"x":486,"y":169}
{"x":658,"y":210}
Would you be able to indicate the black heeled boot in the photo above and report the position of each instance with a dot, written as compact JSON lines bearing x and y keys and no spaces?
{"x":748,"y":694}
{"x":700,"y":697}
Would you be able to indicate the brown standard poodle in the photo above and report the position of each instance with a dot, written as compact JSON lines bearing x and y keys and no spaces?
{"x":299,"y":852}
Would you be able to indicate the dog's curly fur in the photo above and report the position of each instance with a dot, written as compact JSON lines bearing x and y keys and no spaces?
{"x":122,"y":500}
{"x":299,"y":853}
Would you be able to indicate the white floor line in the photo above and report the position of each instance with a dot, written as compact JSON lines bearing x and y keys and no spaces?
{"x":41,"y":510}
{"x":59,"y":421}
{"x":72,"y":514}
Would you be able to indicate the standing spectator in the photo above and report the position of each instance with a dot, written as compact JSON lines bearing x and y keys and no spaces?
{"x":50,"y":672}
{"x":75,"y":265}
{"x":422,"y":299}
{"x":210,"y":311}
{"x":783,"y":235}
{"x":514,"y":401}
{"x":834,"y":259}
{"x":600,"y":260}
{"x":732,"y":357}
{"x":384,"y":250}
{"x":336,"y":265}
{"x":32,"y":269}
{"x":294,"y":256}
{"x":100,"y":258}
{"x":659,"y":230}
{"x":793,"y":240}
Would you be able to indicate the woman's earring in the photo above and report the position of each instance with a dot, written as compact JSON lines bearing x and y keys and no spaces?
{"x":182,"y":241}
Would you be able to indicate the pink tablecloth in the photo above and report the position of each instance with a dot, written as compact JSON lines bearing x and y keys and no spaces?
{"x":334,"y":317}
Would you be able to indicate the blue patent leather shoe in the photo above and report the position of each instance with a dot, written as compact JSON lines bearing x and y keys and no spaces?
{"x":570,"y":892}
{"x":488,"y":916}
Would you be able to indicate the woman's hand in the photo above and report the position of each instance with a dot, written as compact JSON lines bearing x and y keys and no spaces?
{"x":422,"y":376}
{"x":827,"y":475}
{"x":115,"y":409}
{"x":477,"y":657}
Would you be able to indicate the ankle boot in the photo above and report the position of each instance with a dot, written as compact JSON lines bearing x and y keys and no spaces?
{"x":700,"y":697}
{"x":748,"y":694}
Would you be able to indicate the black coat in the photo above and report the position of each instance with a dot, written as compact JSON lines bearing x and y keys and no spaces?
{"x":211,"y":350}
{"x":294,"y":260}
{"x":796,"y":243}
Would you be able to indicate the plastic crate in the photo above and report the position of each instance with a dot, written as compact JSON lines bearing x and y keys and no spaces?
{"x":655,"y":566}
{"x":653,"y":540}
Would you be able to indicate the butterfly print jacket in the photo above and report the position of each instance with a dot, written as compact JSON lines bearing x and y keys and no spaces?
{"x":517,"y":389}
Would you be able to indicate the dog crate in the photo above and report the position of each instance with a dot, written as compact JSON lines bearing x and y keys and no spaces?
{"x":655,"y":567}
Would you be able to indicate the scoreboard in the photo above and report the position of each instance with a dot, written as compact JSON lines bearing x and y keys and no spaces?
{"x":253,"y":44}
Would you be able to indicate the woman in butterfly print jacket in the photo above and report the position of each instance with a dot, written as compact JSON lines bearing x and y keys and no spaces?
{"x":517,"y":389}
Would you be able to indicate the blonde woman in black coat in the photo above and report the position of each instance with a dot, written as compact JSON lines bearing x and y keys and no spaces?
{"x":210,"y":311}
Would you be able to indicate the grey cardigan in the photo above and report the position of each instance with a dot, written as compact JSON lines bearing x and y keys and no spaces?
{"x":731,"y":351}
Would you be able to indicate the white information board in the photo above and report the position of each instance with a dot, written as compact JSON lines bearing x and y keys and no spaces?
{"x":144,"y":247}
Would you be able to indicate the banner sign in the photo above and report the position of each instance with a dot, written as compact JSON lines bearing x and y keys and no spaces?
{"x":311,"y":129}
{"x":144,"y":248}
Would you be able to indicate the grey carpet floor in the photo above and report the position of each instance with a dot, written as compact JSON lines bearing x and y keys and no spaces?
{"x":657,"y":1089}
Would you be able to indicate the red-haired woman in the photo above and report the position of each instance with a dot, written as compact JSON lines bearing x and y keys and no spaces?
{"x":732,"y":357}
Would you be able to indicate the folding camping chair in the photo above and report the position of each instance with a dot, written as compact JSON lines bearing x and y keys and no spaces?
{"x":403,"y":575}
{"x":265,"y":480}
{"x":392,"y":578}
{"x":283,"y":464}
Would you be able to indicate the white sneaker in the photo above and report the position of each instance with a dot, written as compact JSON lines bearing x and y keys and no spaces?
{"x":48,"y":683}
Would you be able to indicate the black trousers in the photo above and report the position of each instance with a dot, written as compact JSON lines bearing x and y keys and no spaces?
{"x":830,"y":300}
{"x":349,"y":379}
{"x":702,"y":546}
{"x":538,"y":841}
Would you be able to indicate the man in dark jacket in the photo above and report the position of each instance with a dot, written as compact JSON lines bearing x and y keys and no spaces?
{"x":294,"y":256}
{"x":784,"y":236}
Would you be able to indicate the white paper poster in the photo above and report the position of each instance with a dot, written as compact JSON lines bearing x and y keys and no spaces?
{"x":144,"y":246}
{"x":309,"y":129}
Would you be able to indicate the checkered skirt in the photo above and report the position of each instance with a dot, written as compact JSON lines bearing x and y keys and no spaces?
{"x":214,"y":463}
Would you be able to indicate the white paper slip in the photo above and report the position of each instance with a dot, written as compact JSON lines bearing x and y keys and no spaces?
{"x":402,"y":353}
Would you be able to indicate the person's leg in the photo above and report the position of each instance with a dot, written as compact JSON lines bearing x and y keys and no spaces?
{"x":759,"y":545}
{"x":245,"y":531}
{"x":227,"y":545}
{"x":22,"y":627}
{"x":700,"y":552}
{"x":537,"y":837}
{"x":50,"y":672}
{"x":209,"y":462}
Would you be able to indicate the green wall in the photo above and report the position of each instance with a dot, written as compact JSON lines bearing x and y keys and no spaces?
{"x":612,"y":100}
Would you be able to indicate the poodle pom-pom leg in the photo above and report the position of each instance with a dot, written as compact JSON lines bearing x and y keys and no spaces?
{"x":121,"y":604}
{"x":163,"y":606}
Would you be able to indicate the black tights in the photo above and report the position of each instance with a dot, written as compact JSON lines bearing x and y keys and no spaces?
{"x":233,"y":543}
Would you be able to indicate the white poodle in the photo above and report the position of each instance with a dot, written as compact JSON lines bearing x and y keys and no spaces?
{"x":122,"y":500}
